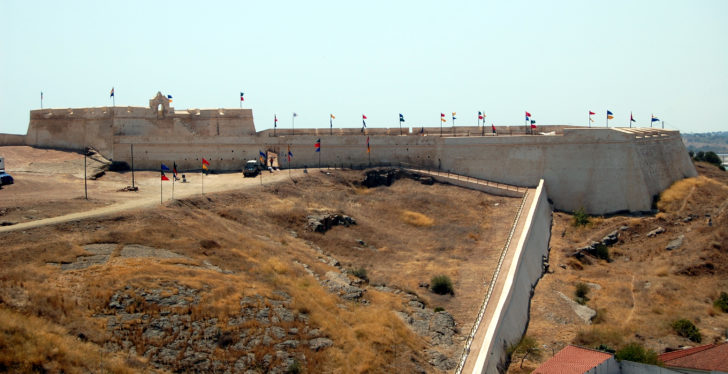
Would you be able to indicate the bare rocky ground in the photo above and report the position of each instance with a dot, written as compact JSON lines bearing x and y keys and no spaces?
{"x":244,"y":281}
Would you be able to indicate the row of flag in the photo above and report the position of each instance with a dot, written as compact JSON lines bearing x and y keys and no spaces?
{"x":205,"y":165}
{"x":610,"y":115}
{"x":169,"y":97}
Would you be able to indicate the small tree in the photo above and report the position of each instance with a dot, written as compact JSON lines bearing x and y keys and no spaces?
{"x":442,"y":285}
{"x":687,"y":329}
{"x":635,"y":352}
{"x":526,"y":347}
{"x":580,"y":217}
{"x":722,"y":302}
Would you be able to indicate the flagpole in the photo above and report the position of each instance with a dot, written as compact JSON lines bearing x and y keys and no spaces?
{"x":132,"y":165}
{"x":173,"y":178}
{"x":288,"y":156}
{"x":274,"y":124}
{"x":453,"y":126}
{"x":441,"y":125}
{"x":41,"y":99}
{"x":293,"y":129}
{"x":331,"y":125}
{"x":85,"y":183}
{"x":202,"y":179}
{"x":652,"y":115}
{"x":160,"y":186}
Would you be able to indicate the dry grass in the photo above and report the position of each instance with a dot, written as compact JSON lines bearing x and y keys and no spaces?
{"x":417,"y":219}
{"x":676,"y":198}
{"x":32,"y":344}
{"x":252,"y":236}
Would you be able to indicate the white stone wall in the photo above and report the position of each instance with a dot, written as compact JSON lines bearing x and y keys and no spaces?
{"x":512,"y":305}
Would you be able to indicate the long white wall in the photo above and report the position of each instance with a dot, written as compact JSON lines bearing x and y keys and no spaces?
{"x":600,"y":170}
{"x":512,"y":305}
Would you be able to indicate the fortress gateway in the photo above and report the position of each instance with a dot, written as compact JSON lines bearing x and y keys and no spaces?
{"x":603,"y":170}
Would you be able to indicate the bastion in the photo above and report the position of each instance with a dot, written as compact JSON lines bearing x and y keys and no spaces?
{"x":602,"y":170}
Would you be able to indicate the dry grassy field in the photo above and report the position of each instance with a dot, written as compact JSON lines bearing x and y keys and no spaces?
{"x":644,"y":287}
{"x":237,"y":280}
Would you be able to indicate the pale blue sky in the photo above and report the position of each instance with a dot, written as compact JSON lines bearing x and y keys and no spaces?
{"x":557,"y":59}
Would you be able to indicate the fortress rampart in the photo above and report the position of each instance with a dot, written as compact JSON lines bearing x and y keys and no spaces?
{"x":603,"y":170}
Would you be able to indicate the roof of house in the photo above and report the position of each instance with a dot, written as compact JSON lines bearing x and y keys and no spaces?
{"x":572,"y":360}
{"x":705,"y":357}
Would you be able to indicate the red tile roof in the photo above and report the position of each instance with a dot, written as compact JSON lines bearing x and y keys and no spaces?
{"x":572,"y":360}
{"x":705,"y":357}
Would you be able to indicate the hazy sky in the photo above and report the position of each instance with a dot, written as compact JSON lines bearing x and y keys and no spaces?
{"x":557,"y":59}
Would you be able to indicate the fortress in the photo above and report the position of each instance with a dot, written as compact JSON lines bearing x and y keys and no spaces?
{"x":603,"y":170}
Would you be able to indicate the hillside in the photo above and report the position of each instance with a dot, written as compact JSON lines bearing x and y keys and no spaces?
{"x":242,"y":280}
{"x":711,"y":141}
{"x":662,"y":268}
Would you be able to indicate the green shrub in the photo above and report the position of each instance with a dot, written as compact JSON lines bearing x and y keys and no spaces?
{"x":580,"y":217}
{"x":439,"y":309}
{"x":581,"y":291}
{"x":687,"y":329}
{"x":442,"y":285}
{"x":601,"y":251}
{"x":361,"y":273}
{"x":635,"y":352}
{"x":722,"y":302}
{"x":294,"y":368}
{"x":526,"y":347}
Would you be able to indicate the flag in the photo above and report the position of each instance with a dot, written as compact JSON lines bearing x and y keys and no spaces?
{"x":295,"y":114}
{"x":363,"y":122}
{"x":241,"y":97}
{"x":590,"y":119}
{"x":442,"y":117}
{"x":275,"y":121}
{"x":332,"y":116}
{"x":170,"y":98}
{"x":111,"y":94}
{"x":290,"y":155}
{"x":164,"y":167}
{"x":453,"y":116}
{"x":174,"y":169}
{"x":422,"y":130}
{"x":528,"y":115}
{"x":493,"y":127}
{"x":533,"y":124}
{"x":401,"y":118}
{"x":631,"y":118}
{"x":205,"y":164}
{"x":480,"y":115}
{"x":318,"y":145}
{"x":363,"y":116}
{"x":368,"y":149}
{"x":591,"y":113}
{"x":164,"y":177}
{"x":610,"y":115}
{"x":654,"y":119}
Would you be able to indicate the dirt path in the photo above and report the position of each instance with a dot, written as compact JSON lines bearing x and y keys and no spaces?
{"x":212,"y":184}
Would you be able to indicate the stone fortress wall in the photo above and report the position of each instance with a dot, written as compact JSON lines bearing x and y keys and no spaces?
{"x":603,"y":170}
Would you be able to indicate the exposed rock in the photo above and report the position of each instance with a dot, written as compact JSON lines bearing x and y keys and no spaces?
{"x":675,"y":243}
{"x":322,"y":222}
{"x":655,"y":232}
{"x":440,"y":361}
{"x":317,"y":344}
{"x":583,"y":311}
{"x":611,"y":238}
{"x":340,"y":284}
{"x":380,"y":177}
{"x":138,"y":250}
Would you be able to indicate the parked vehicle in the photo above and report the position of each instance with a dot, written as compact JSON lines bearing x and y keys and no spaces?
{"x":5,"y":178}
{"x":251,"y":168}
